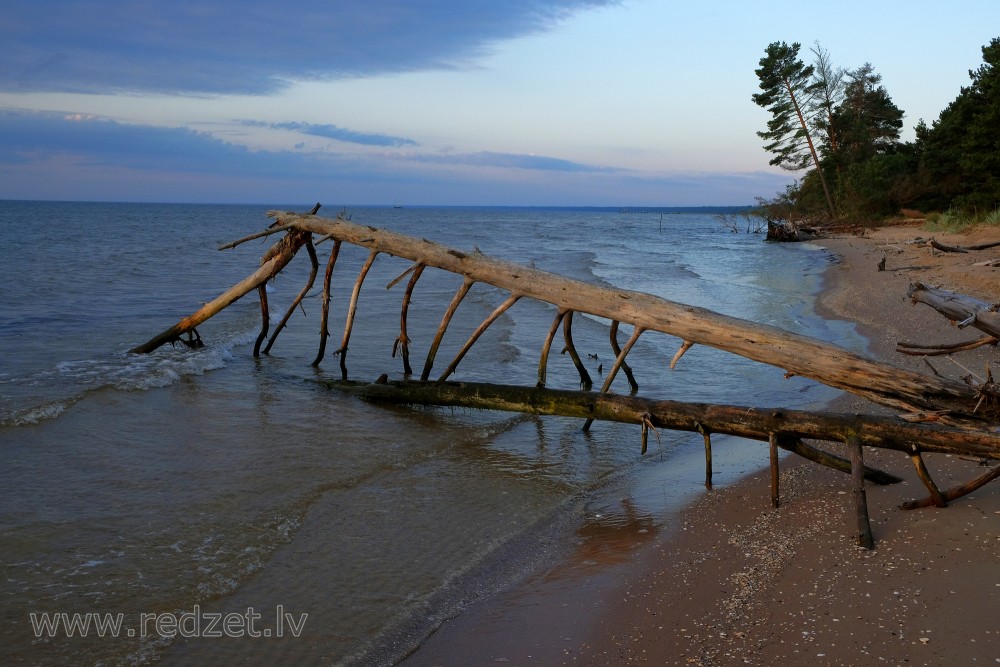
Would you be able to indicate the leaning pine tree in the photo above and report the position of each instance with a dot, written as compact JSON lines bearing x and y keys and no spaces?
{"x":787,"y":86}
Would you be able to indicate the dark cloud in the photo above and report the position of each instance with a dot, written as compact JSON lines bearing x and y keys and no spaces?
{"x":99,"y":143}
{"x":249,"y":46}
{"x":335,"y":132}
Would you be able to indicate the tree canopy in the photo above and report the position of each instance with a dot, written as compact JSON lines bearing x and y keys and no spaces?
{"x":842,"y":129}
{"x":787,"y":87}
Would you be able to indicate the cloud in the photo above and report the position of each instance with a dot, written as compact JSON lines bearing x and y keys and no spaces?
{"x":508,"y":161}
{"x":94,"y":142}
{"x":250,"y":46}
{"x":334,"y":132}
{"x":49,"y":155}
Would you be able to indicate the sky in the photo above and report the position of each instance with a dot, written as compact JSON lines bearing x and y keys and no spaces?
{"x":435,"y":102}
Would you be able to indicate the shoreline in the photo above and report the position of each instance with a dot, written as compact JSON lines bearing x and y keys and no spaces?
{"x":738,"y":582}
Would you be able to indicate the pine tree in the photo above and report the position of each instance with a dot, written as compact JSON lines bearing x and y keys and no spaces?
{"x":962,"y":148}
{"x":866,"y":121}
{"x":787,"y":94}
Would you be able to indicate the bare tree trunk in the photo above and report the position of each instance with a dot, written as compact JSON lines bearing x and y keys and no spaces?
{"x":812,"y":148}
{"x":964,"y":310}
{"x":798,"y":355}
{"x":739,"y":420}
{"x":276,"y":258}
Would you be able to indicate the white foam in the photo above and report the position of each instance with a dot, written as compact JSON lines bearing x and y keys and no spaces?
{"x":70,"y":380}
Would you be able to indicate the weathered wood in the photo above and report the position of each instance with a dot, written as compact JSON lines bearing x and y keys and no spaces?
{"x":918,"y":349}
{"x":788,"y":231}
{"x":799,"y":355}
{"x":959,"y":308}
{"x":925,"y":477}
{"x":934,"y":243}
{"x":585,"y":381}
{"x":621,"y":353}
{"x":772,"y":439}
{"x":620,"y":357}
{"x":352,"y":310}
{"x":865,"y":538}
{"x":402,"y":344}
{"x":748,"y":422}
{"x":456,"y":301}
{"x":543,"y":359}
{"x":314,"y":264}
{"x":324,"y":323}
{"x":707,"y":435}
{"x":480,"y":330}
{"x":822,"y":457}
{"x":685,"y":346}
{"x":276,"y":258}
{"x":967,"y":414}
{"x":955,"y":491}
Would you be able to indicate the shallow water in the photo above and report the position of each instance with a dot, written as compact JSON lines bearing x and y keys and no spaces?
{"x":183,"y":480}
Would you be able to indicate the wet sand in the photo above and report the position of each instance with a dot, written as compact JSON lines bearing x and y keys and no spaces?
{"x":737,"y":582}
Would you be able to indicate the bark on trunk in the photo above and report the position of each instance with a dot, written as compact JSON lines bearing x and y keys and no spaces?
{"x":964,"y":310}
{"x":747,"y":422}
{"x":798,"y":355}
{"x":276,"y":258}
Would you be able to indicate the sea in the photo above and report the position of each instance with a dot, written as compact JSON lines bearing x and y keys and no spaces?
{"x":203,"y":506}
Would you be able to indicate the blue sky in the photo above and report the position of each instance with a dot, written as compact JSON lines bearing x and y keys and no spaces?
{"x":461,"y":102}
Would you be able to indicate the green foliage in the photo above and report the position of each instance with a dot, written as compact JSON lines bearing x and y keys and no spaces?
{"x":788,"y":87}
{"x":957,"y":220}
{"x":954,"y":164}
{"x":961,"y":150}
{"x":866,"y":123}
{"x":868,"y":186}
{"x":785,"y":82}
{"x":949,"y":221}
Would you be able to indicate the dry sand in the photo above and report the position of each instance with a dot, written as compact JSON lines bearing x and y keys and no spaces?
{"x":742,"y":583}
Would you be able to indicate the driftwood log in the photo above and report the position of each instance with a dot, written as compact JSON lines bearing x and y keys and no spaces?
{"x":740,"y":420}
{"x":963,"y":310}
{"x":788,"y":231}
{"x":796,"y":354}
{"x":966,"y":425}
{"x":781,"y":428}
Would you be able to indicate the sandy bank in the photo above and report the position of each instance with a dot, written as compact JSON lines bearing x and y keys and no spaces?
{"x":742,"y":583}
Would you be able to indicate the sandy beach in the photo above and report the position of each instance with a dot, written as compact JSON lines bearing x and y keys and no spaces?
{"x":742,"y":583}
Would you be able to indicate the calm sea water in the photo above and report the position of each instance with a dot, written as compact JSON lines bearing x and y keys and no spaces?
{"x":202,"y":483}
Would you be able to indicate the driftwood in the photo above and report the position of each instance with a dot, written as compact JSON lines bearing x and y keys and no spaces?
{"x":788,"y":231}
{"x":274,"y":260}
{"x":963,"y":310}
{"x":937,"y":349}
{"x":783,"y":429}
{"x":944,"y":247}
{"x":964,"y":418}
{"x":934,"y":243}
{"x":740,"y":420}
{"x":798,"y":355}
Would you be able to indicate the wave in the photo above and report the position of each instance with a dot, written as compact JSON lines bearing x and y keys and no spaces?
{"x":48,"y":393}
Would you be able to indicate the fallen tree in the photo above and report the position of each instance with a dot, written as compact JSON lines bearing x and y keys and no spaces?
{"x":960,"y":407}
{"x":963,"y":311}
{"x":781,"y":428}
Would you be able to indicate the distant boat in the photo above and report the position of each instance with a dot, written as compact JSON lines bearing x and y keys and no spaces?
{"x":396,"y":204}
